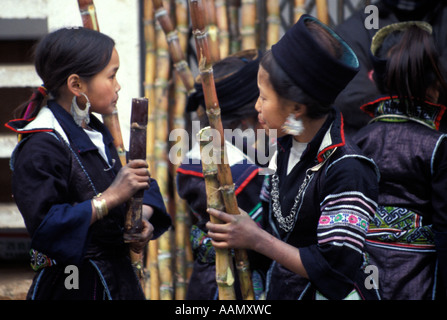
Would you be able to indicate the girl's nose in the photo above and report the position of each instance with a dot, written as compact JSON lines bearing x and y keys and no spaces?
{"x":258,"y":105}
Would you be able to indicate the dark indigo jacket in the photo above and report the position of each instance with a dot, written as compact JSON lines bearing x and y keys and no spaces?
{"x":53,"y":184}
{"x":331,"y":223}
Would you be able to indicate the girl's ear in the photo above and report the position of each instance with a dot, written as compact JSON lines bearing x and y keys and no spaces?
{"x":74,"y":84}
{"x":299,"y":110}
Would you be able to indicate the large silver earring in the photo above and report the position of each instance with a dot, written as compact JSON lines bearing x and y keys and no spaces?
{"x":292,"y":126}
{"x":80,"y":116}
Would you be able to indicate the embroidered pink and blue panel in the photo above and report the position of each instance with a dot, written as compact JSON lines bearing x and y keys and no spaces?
{"x":344,"y":219}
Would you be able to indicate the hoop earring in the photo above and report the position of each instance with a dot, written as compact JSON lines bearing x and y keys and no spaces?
{"x":80,"y":116}
{"x":292,"y":126}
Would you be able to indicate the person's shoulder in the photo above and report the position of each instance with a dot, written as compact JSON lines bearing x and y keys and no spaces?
{"x":45,"y":143}
{"x":350,"y":158}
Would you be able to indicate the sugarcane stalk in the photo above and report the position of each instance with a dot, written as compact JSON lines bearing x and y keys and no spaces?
{"x":181,"y":236}
{"x":322,"y":11}
{"x":137,"y":150}
{"x":149,"y":77}
{"x":182,"y":19}
{"x":212,"y":29}
{"x":213,"y":111}
{"x":181,"y":229}
{"x":182,"y":23}
{"x":299,"y":9}
{"x":111,"y":121}
{"x":88,"y":14}
{"x":233,"y":18}
{"x":273,"y":22}
{"x":248,"y":22}
{"x":152,"y":262}
{"x":151,"y":280}
{"x":222,"y":25}
{"x":175,"y":49}
{"x":224,"y":262}
{"x":161,"y":150}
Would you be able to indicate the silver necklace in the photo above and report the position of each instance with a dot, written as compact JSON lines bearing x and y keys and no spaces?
{"x":287,"y":223}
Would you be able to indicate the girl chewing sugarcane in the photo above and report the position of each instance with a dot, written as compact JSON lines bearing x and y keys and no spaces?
{"x":323,"y":191}
{"x":68,"y":181}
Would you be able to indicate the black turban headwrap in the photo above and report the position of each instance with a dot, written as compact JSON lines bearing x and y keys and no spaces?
{"x":234,"y":91}
{"x":311,"y":67}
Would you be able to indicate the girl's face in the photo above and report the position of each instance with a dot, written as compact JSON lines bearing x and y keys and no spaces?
{"x":102,"y":89}
{"x":272,"y":109}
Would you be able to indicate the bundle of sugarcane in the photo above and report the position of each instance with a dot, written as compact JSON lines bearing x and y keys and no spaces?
{"x":322,"y":11}
{"x":224,"y":262}
{"x":183,"y":77}
{"x":90,"y":21}
{"x":161,"y":157}
{"x":222,"y":24}
{"x":233,"y":21}
{"x":226,"y":185}
{"x":299,"y":9}
{"x":184,"y":84}
{"x":151,"y":281}
{"x":273,"y":22}
{"x":248,"y":24}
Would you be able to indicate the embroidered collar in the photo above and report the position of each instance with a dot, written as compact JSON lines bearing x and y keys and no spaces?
{"x":54,"y":118}
{"x":390,"y":109}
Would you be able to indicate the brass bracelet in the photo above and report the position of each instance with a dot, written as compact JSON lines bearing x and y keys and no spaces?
{"x":100,"y":206}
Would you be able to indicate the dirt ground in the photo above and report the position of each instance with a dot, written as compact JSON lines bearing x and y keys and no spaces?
{"x":15,"y":279}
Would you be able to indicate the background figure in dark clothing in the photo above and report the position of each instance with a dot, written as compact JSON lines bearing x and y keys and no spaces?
{"x":362,"y":88}
{"x":410,"y":223}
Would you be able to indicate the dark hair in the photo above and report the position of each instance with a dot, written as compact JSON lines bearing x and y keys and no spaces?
{"x":64,"y":52}
{"x":230,"y":67}
{"x":412,"y":65}
{"x":285,"y":87}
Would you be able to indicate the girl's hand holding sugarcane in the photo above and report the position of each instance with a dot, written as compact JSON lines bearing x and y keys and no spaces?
{"x":147,"y":233}
{"x":132,"y":177}
{"x":143,"y":238}
{"x":239,"y":231}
